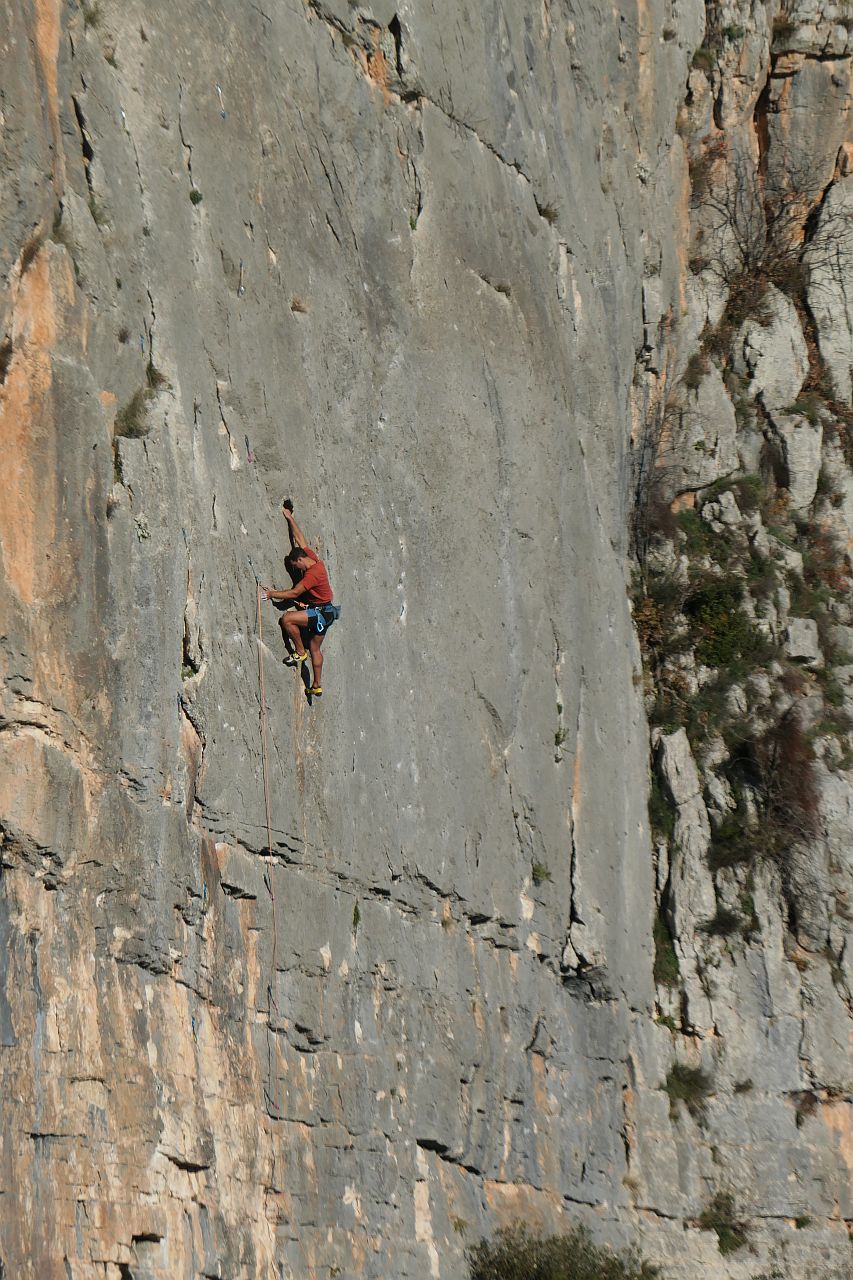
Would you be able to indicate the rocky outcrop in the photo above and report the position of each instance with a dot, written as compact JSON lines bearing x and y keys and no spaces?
{"x":434,"y":285}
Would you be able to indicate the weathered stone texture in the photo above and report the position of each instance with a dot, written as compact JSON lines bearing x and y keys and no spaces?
{"x":408,"y":264}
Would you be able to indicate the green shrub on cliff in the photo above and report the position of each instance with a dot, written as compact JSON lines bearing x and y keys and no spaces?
{"x":690,"y":1085}
{"x":720,"y":1218}
{"x":722,"y":630}
{"x":516,"y":1254}
{"x":131,"y":422}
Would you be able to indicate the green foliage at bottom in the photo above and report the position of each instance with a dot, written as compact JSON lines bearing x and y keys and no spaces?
{"x":516,"y":1254}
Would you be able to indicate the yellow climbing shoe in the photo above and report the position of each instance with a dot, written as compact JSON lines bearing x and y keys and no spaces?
{"x":294,"y":659}
{"x":316,"y":691}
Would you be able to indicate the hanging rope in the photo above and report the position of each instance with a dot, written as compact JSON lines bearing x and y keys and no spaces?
{"x":264,"y":757}
{"x":272,"y":1090}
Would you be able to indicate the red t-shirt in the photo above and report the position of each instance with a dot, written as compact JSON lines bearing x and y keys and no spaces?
{"x":314,"y":584}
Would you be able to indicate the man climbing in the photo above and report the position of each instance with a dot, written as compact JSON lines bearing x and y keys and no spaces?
{"x":314,"y":594}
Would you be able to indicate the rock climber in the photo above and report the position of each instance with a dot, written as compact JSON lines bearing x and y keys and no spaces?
{"x":312,"y":595}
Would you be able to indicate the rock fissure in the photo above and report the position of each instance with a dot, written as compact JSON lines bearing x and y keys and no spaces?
{"x":187,"y":148}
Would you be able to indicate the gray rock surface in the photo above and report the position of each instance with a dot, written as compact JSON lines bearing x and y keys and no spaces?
{"x":802,"y":451}
{"x":773,"y":353}
{"x":831,"y":293}
{"x":424,"y":269}
{"x":802,"y":642}
{"x":707,"y":430}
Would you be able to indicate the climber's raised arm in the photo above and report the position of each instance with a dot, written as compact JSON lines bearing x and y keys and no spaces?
{"x":297,"y":537}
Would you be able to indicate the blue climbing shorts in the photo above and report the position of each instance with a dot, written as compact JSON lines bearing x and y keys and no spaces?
{"x":321,"y":617}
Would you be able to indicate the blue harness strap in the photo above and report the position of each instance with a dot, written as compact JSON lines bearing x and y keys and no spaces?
{"x":322,"y":616}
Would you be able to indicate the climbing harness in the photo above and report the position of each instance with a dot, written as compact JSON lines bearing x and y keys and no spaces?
{"x":323,"y":616}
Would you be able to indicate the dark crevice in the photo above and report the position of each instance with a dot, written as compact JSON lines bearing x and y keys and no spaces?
{"x":188,"y":151}
{"x":85,"y":144}
{"x":762,"y":127}
{"x":719,"y":120}
{"x":396,"y":32}
{"x":6,"y":351}
{"x":187,"y":709}
{"x":187,"y":1163}
{"x":441,"y":1150}
{"x":432,"y":1144}
{"x":237,"y":891}
{"x":29,"y":253}
{"x":188,"y":660}
{"x":151,"y":325}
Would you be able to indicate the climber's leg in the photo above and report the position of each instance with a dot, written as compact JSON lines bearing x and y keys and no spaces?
{"x":314,"y":648}
{"x":291,"y":624}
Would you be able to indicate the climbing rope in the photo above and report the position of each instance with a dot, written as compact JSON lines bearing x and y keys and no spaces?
{"x":264,"y":757}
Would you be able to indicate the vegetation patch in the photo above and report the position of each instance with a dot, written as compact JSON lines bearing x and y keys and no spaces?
{"x":698,"y":366}
{"x":548,"y":211}
{"x":661,"y":811}
{"x":806,"y":1104}
{"x":666,"y":971}
{"x":30,"y":251}
{"x":720,"y":1218}
{"x":132,"y":420}
{"x":516,"y":1254}
{"x":92,"y":15}
{"x":808,"y":406}
{"x":733,"y":842}
{"x":698,"y":539}
{"x":748,"y":912}
{"x":721,"y":630}
{"x":783,"y":28}
{"x":704,"y":60}
{"x":155,"y":379}
{"x":723,"y":924}
{"x":96,"y":209}
{"x":690,"y":1085}
{"x":776,"y":767}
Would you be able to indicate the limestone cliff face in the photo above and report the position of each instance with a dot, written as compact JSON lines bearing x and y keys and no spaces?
{"x":424,"y":267}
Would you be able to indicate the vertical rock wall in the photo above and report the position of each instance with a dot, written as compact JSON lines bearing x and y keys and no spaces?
{"x":425,"y":268}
